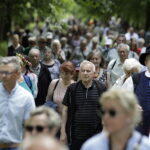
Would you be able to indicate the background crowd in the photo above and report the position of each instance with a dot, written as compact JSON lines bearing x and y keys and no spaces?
{"x":89,"y":70}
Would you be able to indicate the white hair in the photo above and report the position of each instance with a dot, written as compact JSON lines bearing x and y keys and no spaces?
{"x":125,"y":46}
{"x":131,"y":63}
{"x":56,"y":41}
{"x":85,"y":62}
{"x":11,"y":60}
{"x":34,"y":50}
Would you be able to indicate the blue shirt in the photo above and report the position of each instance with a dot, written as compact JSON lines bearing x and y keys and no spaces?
{"x":15,"y":108}
{"x":101,"y":142}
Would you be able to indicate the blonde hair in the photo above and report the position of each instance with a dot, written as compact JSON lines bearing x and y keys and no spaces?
{"x":53,"y":117}
{"x":127,"y":100}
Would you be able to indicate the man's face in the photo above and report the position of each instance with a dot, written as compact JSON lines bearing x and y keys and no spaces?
{"x":34,"y":58}
{"x":120,"y":40}
{"x":8,"y":73}
{"x":86,"y":73}
{"x":123,"y":53}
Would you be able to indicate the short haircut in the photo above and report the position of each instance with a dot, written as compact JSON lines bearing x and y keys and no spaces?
{"x":67,"y":67}
{"x":97,"y":52}
{"x":131,"y":63}
{"x":53,"y":117}
{"x":126,"y":99}
{"x":56,"y":41}
{"x":122,"y":45}
{"x":85,"y":62}
{"x":33,"y":50}
{"x":11,"y":60}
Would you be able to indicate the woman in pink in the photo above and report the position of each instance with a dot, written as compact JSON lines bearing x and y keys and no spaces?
{"x":60,"y":85}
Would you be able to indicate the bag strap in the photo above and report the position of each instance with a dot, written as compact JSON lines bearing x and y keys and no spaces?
{"x":55,"y":88}
{"x":113,"y":64}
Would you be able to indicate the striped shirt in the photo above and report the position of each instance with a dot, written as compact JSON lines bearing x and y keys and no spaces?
{"x":85,"y":122}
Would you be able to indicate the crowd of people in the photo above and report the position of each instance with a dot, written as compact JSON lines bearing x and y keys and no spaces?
{"x":88,"y":88}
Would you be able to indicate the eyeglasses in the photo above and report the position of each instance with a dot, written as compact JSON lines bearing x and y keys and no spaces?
{"x":6,"y":72}
{"x":38,"y":128}
{"x":110,"y":112}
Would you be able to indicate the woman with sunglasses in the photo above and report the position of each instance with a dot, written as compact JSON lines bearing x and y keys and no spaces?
{"x":120,"y":115}
{"x":42,"y":121}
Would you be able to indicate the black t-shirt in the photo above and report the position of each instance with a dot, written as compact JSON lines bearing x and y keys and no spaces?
{"x":85,"y":119}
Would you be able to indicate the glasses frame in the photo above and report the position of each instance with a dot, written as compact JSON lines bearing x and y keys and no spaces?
{"x":38,"y":128}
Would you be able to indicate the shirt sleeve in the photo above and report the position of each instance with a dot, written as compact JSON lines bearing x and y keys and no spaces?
{"x":30,"y":105}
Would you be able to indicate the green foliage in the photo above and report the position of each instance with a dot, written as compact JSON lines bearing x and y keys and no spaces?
{"x":3,"y":48}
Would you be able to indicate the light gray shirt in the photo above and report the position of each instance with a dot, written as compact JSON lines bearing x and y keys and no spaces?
{"x":101,"y":142}
{"x":15,"y":108}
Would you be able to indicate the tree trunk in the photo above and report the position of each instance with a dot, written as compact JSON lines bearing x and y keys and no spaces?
{"x":147,"y":21}
{"x":5,"y":19}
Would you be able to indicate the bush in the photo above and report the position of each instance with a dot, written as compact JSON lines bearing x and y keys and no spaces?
{"x":3,"y":48}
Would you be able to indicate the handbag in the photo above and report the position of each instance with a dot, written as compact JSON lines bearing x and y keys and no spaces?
{"x":50,"y":103}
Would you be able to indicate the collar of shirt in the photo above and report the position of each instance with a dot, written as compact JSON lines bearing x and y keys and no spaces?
{"x":12,"y":91}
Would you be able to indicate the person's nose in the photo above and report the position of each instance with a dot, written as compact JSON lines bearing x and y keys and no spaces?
{"x":34,"y":132}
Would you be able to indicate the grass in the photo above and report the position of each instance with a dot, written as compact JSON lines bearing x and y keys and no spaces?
{"x":3,"y":48}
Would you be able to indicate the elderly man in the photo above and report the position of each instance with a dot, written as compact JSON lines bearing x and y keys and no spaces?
{"x":79,"y":116}
{"x":44,"y":77}
{"x":115,"y":66}
{"x":15,"y":104}
{"x":43,"y":121}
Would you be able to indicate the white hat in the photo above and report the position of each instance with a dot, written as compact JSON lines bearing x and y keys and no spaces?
{"x":108,"y":42}
{"x":49,"y":35}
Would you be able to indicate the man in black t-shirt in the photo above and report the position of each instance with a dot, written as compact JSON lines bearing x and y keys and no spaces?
{"x":79,"y":117}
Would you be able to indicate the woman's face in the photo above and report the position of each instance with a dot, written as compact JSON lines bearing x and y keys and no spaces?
{"x":37,"y":126}
{"x":96,"y":60}
{"x":66,"y":75}
{"x":114,"y":117}
{"x":47,"y":55}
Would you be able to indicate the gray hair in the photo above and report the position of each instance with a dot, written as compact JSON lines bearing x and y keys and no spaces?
{"x":125,"y":46}
{"x":131,"y":63}
{"x":127,"y":100}
{"x":54,"y":120}
{"x":34,"y":50}
{"x":56,"y":41}
{"x":11,"y":60}
{"x":85,"y":62}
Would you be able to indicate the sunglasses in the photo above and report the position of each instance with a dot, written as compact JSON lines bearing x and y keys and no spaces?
{"x":38,"y":128}
{"x":110,"y":112}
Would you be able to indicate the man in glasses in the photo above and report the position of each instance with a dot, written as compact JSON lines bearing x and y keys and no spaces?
{"x":43,"y":121}
{"x":15,"y":104}
{"x":79,"y":116}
